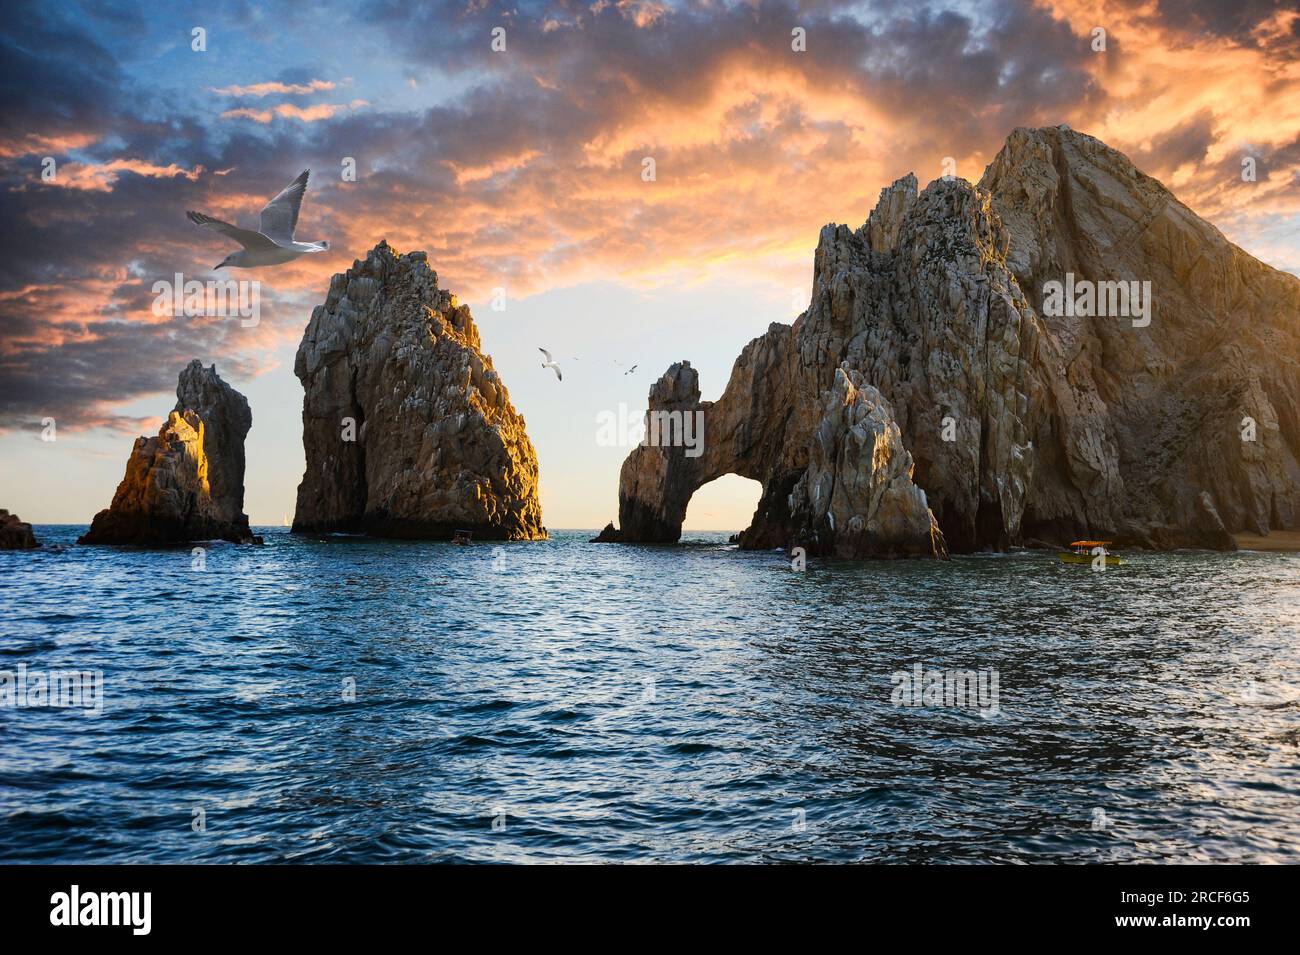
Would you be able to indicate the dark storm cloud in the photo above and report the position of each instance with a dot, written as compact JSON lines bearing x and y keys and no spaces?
{"x":1189,"y":142}
{"x":1237,"y":20}
{"x":124,"y":359}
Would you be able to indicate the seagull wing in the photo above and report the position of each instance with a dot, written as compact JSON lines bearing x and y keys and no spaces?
{"x":245,"y":237}
{"x":546,"y":353}
{"x":280,"y":217}
{"x":557,"y":372}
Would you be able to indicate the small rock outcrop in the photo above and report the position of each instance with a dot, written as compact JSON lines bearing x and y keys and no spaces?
{"x":609,"y":534}
{"x":1175,"y":423}
{"x":187,"y":483}
{"x":15,"y":534}
{"x":407,"y":428}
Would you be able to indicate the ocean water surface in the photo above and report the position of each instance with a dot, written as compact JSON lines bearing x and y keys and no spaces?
{"x":351,"y":700}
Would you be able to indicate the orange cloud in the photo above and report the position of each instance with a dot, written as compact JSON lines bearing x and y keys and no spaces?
{"x":99,"y":177}
{"x":307,"y":114}
{"x":37,"y":144}
{"x":266,"y":89}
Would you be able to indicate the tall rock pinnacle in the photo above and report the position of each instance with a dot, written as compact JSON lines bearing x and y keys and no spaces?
{"x":408,"y":429}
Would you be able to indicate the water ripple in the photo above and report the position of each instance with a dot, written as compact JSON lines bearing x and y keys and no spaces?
{"x":367,"y":701}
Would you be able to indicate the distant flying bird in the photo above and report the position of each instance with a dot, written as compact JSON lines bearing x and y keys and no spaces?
{"x":274,"y":244}
{"x":549,"y":363}
{"x":620,"y":364}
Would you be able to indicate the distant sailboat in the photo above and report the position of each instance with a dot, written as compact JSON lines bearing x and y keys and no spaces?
{"x":286,"y":522}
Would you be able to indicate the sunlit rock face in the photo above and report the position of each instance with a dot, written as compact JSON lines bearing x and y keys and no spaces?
{"x":1149,"y":433}
{"x":15,"y":534}
{"x":1174,"y":428}
{"x":407,"y":428}
{"x":187,"y":483}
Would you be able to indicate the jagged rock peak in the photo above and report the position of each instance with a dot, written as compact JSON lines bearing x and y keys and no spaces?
{"x":227,"y":420}
{"x":885,"y":220}
{"x":187,"y":483}
{"x":407,"y":427}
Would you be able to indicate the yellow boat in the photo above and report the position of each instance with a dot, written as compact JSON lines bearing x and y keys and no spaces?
{"x":1082,"y":552}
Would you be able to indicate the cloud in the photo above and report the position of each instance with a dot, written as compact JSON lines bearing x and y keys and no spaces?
{"x":101,"y":176}
{"x":524,"y":169}
{"x":39,"y":144}
{"x":306,"y":114}
{"x":268,"y":88}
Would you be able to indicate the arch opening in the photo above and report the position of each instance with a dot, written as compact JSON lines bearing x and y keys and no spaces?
{"x":726,"y":503}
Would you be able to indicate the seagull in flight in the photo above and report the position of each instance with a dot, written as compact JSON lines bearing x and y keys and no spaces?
{"x":550,"y":363}
{"x":273,"y":243}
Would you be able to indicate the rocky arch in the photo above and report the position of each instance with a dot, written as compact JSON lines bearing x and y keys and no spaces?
{"x":835,"y":478}
{"x":690,"y":443}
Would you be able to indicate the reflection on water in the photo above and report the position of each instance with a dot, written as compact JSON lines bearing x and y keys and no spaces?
{"x":366,"y":701}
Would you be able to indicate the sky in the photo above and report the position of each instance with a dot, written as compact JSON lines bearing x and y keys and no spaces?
{"x":522,"y":169}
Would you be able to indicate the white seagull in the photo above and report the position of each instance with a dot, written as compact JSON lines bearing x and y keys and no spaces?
{"x":274,"y":243}
{"x":550,"y":363}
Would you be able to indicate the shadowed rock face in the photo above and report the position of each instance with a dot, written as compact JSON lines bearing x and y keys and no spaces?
{"x":407,"y":428}
{"x":1019,"y":423}
{"x":15,"y":534}
{"x":186,"y":484}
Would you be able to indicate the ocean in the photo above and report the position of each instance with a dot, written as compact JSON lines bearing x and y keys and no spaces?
{"x":363,"y":701}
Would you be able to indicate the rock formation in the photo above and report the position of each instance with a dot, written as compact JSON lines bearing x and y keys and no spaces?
{"x":609,"y":534}
{"x":1175,"y":428}
{"x":856,"y":498}
{"x":186,"y":484}
{"x":846,"y":491}
{"x":15,"y":534}
{"x":407,"y":428}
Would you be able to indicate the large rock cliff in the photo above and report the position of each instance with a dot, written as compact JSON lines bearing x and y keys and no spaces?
{"x":186,"y":484}
{"x":1165,"y":434}
{"x":1173,"y":428}
{"x":407,"y":428}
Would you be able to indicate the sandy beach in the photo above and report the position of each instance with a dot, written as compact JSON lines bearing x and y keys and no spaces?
{"x":1280,"y":541}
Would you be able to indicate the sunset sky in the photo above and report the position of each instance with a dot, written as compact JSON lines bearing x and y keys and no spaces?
{"x":522,"y":170}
